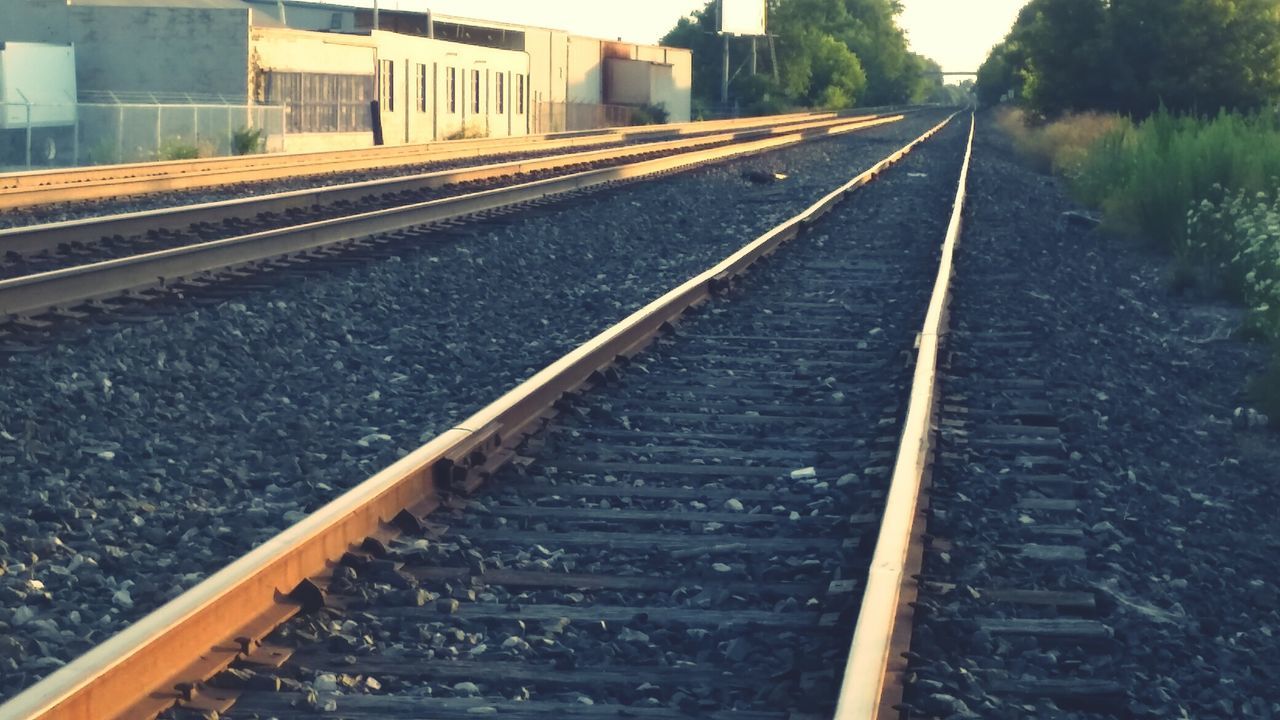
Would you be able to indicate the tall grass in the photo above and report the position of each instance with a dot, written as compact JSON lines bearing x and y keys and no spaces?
{"x":1061,"y":146}
{"x":1146,"y":177}
{"x":1205,"y":190}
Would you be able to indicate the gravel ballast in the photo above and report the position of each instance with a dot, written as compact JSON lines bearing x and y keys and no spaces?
{"x":21,"y":217}
{"x":1179,"y":499}
{"x":140,"y":456}
{"x":670,"y":542}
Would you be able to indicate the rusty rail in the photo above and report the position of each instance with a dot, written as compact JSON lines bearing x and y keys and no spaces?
{"x":209,"y":626}
{"x":94,"y":183}
{"x":872,"y":679}
{"x":34,"y":294}
{"x":50,"y":236}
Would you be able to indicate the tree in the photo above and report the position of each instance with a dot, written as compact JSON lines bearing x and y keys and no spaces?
{"x":1196,"y":55}
{"x":831,"y":54}
{"x":1133,"y":56}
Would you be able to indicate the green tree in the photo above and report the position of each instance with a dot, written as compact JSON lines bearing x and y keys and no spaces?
{"x":1133,"y":56}
{"x":1196,"y":55}
{"x":831,"y":53}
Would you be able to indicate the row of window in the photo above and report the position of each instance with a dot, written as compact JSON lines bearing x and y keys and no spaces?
{"x":387,"y":89}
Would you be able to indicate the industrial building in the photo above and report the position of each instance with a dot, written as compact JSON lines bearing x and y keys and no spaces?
{"x":325,"y":65}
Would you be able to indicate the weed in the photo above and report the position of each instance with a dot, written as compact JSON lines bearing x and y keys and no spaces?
{"x":177,"y":149}
{"x":466,"y":133}
{"x":248,"y":141}
{"x":1060,"y":146}
{"x":650,"y":115}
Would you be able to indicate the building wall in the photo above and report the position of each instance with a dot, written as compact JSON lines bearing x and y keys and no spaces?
{"x":678,"y":96}
{"x":155,"y":49}
{"x":629,"y":81}
{"x":584,"y":69}
{"x":34,"y":21}
{"x":301,"y":51}
{"x":408,"y":122}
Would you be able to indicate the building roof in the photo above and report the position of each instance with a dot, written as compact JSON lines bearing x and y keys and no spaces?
{"x":186,"y":4}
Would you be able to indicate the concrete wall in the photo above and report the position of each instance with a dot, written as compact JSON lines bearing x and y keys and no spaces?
{"x":629,"y":81}
{"x":34,"y":21}
{"x":585,"y":73}
{"x":548,"y":64}
{"x":200,"y":51}
{"x":408,"y":123}
{"x":301,"y":51}
{"x":678,"y":96}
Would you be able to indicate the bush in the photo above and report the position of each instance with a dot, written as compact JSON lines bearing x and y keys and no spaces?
{"x":177,"y":149}
{"x":650,"y":115}
{"x":248,"y":141}
{"x":1206,"y":191}
{"x":1147,"y":177}
{"x":467,"y":132}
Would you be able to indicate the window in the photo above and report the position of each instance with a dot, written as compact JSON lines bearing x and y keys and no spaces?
{"x":520,"y":94}
{"x":451,"y":89}
{"x":422,"y":88}
{"x":387,"y":85}
{"x":335,"y":21}
{"x":475,"y":91}
{"x":320,"y":103}
{"x":500,"y":105}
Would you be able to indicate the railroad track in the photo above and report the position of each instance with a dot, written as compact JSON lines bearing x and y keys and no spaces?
{"x":45,"y":187}
{"x":1011,"y":568}
{"x":61,"y":267}
{"x":684,"y":531}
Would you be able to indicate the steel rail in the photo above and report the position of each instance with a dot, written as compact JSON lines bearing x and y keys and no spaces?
{"x":52,"y":186}
{"x":49,"y":236}
{"x":206,"y":628}
{"x":872,"y":682}
{"x":33,"y":294}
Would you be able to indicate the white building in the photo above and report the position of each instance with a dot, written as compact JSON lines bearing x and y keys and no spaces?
{"x":432,"y":77}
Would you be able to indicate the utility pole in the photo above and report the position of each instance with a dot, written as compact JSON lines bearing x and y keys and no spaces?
{"x":375,"y":14}
{"x":724,"y":78}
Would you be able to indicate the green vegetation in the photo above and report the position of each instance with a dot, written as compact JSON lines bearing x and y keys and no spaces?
{"x":1135,"y":56}
{"x":248,"y":141}
{"x":1061,"y":146}
{"x":177,"y":149}
{"x":650,"y":115}
{"x":1161,"y":113}
{"x":1205,"y":191}
{"x":1233,"y":245}
{"x":469,"y":132}
{"x":830,"y":54}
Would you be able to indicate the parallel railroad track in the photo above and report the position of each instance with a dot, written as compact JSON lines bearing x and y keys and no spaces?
{"x":44,"y":187}
{"x":83,"y":261}
{"x":684,"y":532}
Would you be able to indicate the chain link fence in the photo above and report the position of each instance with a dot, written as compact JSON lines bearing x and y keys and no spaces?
{"x":99,"y":133}
{"x":550,"y":117}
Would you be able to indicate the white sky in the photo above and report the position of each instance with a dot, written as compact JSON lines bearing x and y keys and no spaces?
{"x":956,"y":33}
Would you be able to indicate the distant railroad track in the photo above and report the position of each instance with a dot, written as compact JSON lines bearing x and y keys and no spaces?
{"x":46,"y":187}
{"x":718,"y":496}
{"x":183,"y":246}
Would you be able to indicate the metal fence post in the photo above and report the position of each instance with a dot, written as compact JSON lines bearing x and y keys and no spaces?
{"x":28,"y":134}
